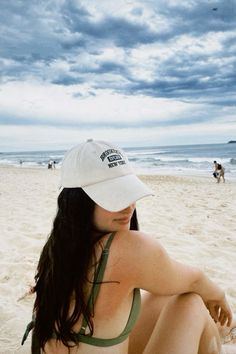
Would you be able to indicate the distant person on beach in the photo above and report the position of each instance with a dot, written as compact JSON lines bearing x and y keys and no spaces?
{"x":219,"y":171}
{"x":103,"y":286}
{"x":50,"y":164}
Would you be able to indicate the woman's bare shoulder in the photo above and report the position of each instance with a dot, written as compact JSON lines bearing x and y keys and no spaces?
{"x":130,"y":241}
{"x":146,"y":264}
{"x":135,"y":251}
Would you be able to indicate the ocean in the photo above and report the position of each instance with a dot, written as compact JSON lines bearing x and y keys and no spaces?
{"x":175,"y":160}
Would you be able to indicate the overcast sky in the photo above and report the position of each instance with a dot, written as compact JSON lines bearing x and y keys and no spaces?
{"x":153,"y":72}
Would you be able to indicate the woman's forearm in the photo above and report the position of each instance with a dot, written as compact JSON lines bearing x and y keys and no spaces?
{"x":206,"y":288}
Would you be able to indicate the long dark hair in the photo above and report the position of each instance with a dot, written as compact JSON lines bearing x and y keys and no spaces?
{"x":63,"y":268}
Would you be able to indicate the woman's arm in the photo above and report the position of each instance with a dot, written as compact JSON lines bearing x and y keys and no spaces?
{"x":214,"y":298}
{"x":154,"y":270}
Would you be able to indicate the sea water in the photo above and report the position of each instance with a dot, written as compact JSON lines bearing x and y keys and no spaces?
{"x":184,"y":159}
{"x":176,"y":160}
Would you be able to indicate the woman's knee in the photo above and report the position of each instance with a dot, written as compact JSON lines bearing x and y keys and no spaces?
{"x":189,"y":302}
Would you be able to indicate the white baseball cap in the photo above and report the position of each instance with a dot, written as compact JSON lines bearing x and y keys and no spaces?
{"x":104,"y":173}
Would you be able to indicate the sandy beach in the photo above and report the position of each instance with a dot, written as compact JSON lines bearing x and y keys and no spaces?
{"x":194,"y":218}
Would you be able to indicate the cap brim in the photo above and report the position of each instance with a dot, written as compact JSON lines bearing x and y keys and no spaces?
{"x":118,"y":193}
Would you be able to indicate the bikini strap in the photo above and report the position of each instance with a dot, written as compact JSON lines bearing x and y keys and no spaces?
{"x":97,"y":280}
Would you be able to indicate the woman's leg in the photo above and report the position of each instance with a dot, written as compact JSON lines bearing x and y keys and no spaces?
{"x":151,"y":308}
{"x":223,"y":176}
{"x":183,"y":326}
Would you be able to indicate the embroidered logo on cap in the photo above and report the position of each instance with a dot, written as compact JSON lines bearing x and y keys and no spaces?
{"x":114,"y":157}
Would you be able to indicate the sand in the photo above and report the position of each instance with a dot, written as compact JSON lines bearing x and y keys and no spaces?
{"x":194,"y":218}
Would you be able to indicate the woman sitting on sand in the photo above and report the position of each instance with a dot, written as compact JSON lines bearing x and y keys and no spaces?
{"x":95,"y":262}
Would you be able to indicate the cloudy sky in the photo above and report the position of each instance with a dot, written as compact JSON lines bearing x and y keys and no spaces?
{"x":153,"y":72}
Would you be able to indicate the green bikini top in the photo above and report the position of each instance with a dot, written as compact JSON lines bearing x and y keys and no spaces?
{"x":81,"y":336}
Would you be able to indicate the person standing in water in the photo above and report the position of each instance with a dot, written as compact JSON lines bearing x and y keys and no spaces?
{"x":219,"y":172}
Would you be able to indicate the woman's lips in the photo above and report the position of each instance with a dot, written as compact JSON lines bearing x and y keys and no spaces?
{"x":124,"y":220}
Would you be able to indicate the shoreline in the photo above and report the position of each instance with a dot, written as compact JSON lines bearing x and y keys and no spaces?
{"x":193,"y":217}
{"x":141,"y":173}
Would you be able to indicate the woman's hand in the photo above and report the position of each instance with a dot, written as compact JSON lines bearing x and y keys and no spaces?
{"x":214,"y":299}
{"x":220,"y":311}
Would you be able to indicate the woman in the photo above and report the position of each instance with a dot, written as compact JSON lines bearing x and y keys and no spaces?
{"x":95,"y":262}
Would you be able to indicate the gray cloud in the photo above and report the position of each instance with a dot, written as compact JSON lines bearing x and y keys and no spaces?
{"x":115,"y":29}
{"x":38,"y":34}
{"x":67,"y":80}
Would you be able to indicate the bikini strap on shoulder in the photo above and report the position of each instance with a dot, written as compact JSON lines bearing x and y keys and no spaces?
{"x":109,"y":241}
{"x":98,"y":278}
